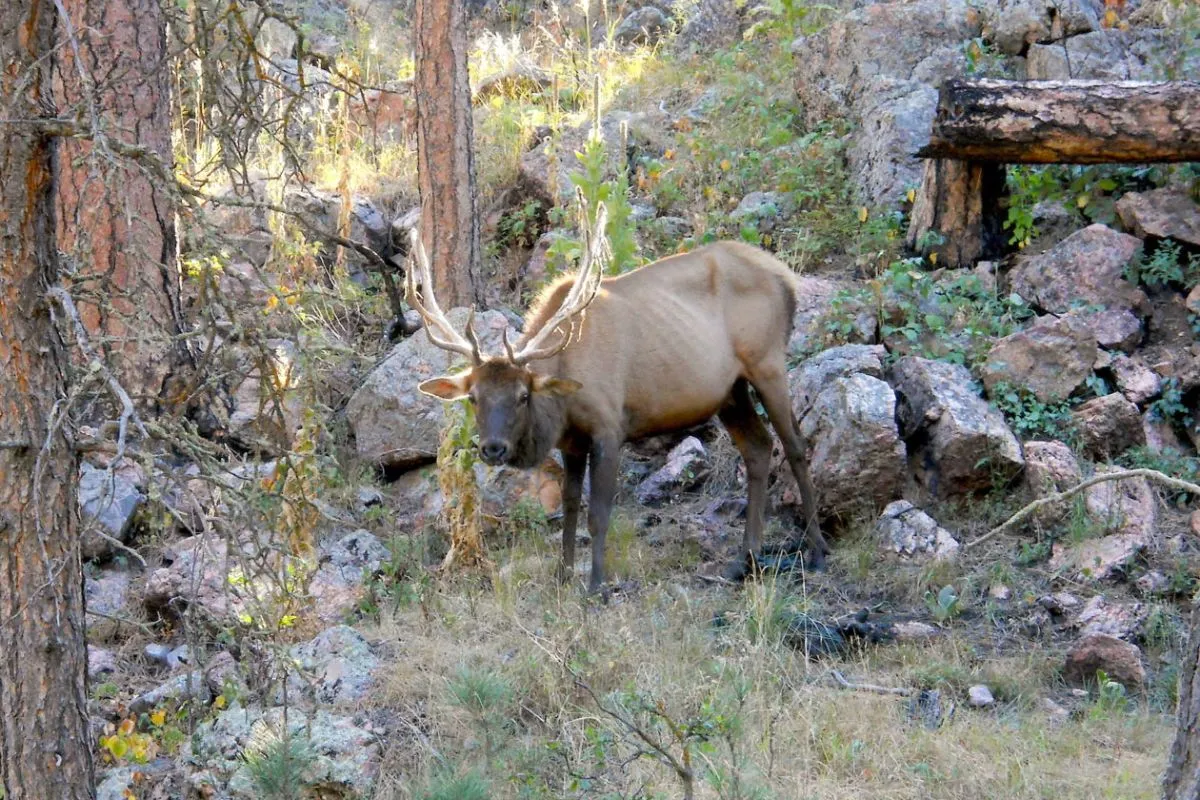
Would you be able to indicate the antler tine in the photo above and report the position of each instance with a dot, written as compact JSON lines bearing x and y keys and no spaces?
{"x":582,"y":293}
{"x":437,"y":327}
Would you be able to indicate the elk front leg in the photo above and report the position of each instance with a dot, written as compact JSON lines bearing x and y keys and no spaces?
{"x":574,"y":464}
{"x":605,"y":461}
{"x":754,"y":443}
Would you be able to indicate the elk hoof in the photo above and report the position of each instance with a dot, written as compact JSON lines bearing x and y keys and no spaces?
{"x":739,"y":569}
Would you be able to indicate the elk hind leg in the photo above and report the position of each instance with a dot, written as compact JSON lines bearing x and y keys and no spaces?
{"x":770,"y":381}
{"x":753,"y":441}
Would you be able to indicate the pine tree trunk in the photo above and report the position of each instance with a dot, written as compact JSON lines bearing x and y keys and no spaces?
{"x":44,"y":739}
{"x":445,"y":160}
{"x":117,"y":222}
{"x":1182,"y":780}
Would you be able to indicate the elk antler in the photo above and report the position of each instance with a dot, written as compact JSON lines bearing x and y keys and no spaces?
{"x":437,"y":327}
{"x":581,"y":295}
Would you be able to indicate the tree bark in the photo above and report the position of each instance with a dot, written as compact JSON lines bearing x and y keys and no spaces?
{"x":1182,"y":779}
{"x":445,"y":160}
{"x":118,"y":222}
{"x":45,"y":748}
{"x":956,"y":201}
{"x":1066,"y":122}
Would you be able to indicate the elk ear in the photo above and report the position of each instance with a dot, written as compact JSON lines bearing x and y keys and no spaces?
{"x":555,"y":387}
{"x":446,"y":387}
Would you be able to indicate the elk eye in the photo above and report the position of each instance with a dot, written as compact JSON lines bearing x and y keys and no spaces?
{"x":523,"y":397}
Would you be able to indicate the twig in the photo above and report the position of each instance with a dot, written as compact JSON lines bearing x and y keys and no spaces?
{"x":117,"y":543}
{"x":869,"y":687}
{"x":1036,"y":505}
{"x":121,"y":620}
{"x":64,"y":301}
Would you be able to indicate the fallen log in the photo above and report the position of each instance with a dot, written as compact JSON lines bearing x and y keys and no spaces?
{"x":1066,"y":122}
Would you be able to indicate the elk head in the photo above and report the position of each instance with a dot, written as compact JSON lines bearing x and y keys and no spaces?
{"x":518,"y":412}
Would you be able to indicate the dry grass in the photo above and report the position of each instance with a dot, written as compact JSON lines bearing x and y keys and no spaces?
{"x":772,"y":720}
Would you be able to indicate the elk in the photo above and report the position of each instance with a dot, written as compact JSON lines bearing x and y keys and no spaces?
{"x":603,"y":361}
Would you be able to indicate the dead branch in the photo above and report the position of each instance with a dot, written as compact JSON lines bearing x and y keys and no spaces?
{"x":841,"y":681}
{"x":1036,"y":505}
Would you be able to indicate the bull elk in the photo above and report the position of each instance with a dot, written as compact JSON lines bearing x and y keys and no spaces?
{"x":603,"y":361}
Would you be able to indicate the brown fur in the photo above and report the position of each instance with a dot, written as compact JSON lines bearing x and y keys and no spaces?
{"x":660,"y":349}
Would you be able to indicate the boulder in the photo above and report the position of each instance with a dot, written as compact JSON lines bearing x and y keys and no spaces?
{"x":620,"y":131}
{"x":817,"y":300}
{"x":909,"y":531}
{"x":1100,"y":615}
{"x":1128,"y":509}
{"x":895,"y":119}
{"x":1119,"y":660}
{"x":1050,"y":467}
{"x":980,"y":696}
{"x":687,"y":465}
{"x":337,"y":668}
{"x":763,"y":210}
{"x":1108,"y":54}
{"x":959,"y":443}
{"x":708,"y":24}
{"x":1085,"y":269}
{"x":1058,"y":603}
{"x":106,"y":592}
{"x":101,"y":664}
{"x":644,"y":26}
{"x":1050,"y":359}
{"x":340,"y":756}
{"x":1137,"y":382}
{"x":109,"y":500}
{"x":1014,"y":25}
{"x":1161,"y":214}
{"x":521,"y":78}
{"x":815,"y":374}
{"x":367,"y":222}
{"x":345,"y":564}
{"x":395,"y":426}
{"x":1108,"y":426}
{"x":856,"y":456}
{"x":1114,"y":329}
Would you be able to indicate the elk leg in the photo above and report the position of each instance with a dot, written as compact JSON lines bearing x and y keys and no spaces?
{"x":574,"y":463}
{"x":753,"y":441}
{"x":605,"y":461}
{"x":771,"y":385}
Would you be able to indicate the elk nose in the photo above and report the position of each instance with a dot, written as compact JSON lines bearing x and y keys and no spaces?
{"x":493,"y":451}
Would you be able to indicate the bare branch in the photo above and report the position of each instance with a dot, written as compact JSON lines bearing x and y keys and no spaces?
{"x":1036,"y":505}
{"x":841,"y":681}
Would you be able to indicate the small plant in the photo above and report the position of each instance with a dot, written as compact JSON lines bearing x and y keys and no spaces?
{"x":944,"y":606}
{"x":471,"y":786}
{"x":522,"y":226}
{"x":1111,"y":698}
{"x":279,"y":768}
{"x":486,"y":695}
{"x":1162,"y":268}
{"x":1029,"y":417}
{"x":1031,"y":553}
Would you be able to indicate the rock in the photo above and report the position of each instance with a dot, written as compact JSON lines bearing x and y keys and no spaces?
{"x":1136,"y":381}
{"x":856,"y":455}
{"x":537,"y":269}
{"x":221,"y":672}
{"x":1161,"y":214}
{"x":687,"y":465}
{"x":1194,"y":523}
{"x":913,"y":631}
{"x":1014,"y":25}
{"x":367,"y":223}
{"x":620,"y":131}
{"x":1050,"y":359}
{"x":1129,"y":509}
{"x":197,"y":577}
{"x":108,"y":502}
{"x":1153,"y":583}
{"x":959,"y":443}
{"x":340,"y":756}
{"x":1050,"y":467}
{"x":1108,"y":425}
{"x":106,"y":592}
{"x":395,"y":425}
{"x":817,"y":299}
{"x":645,"y":26}
{"x":1085,"y":269}
{"x":708,"y":24}
{"x":878,"y":66}
{"x":101,"y":663}
{"x":368,"y":497}
{"x":171,"y":658}
{"x":521,"y":78}
{"x":896,"y":117}
{"x":1120,"y":661}
{"x":980,"y":696}
{"x":1058,"y":603}
{"x":815,"y":374}
{"x":187,"y":687}
{"x":1160,"y":434}
{"x":999,"y":592}
{"x":1058,"y":715}
{"x":1108,"y":55}
{"x":1115,"y":329}
{"x":909,"y":531}
{"x":763,"y":210}
{"x":337,"y":667}
{"x":267,"y":410}
{"x":1102,"y":616}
